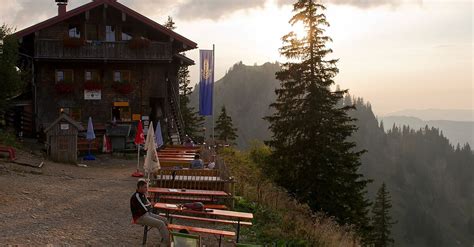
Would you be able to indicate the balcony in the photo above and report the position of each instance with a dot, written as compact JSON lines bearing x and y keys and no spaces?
{"x":100,"y":50}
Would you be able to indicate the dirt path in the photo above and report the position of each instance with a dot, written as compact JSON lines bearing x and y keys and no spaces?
{"x":63,"y":204}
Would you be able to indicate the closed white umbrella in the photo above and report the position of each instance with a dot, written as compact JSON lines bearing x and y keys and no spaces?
{"x":152,"y":164}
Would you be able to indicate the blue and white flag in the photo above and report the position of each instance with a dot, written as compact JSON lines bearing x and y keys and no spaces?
{"x":206,"y":82}
{"x":158,"y":135}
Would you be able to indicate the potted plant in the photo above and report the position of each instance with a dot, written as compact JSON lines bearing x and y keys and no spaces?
{"x":63,"y":87}
{"x":92,"y":85}
{"x":139,"y":43}
{"x":123,"y":87}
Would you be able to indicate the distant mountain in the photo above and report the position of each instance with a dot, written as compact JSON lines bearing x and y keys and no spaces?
{"x":246,"y":92}
{"x":437,"y":114}
{"x":455,"y":131}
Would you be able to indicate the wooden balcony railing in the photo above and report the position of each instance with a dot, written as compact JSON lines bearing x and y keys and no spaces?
{"x":55,"y":49}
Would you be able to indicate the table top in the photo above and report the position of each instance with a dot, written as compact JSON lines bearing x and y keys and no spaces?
{"x":214,"y":212}
{"x":176,"y":158}
{"x":190,"y":178}
{"x":187,"y":192}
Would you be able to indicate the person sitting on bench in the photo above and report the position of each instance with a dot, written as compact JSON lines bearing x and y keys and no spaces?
{"x":197,"y":162}
{"x":141,"y":213}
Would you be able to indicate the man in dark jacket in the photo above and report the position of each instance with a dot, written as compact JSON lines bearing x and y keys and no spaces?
{"x":141,"y":212}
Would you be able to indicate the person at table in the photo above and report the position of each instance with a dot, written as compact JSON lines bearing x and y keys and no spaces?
{"x":197,"y":162}
{"x":141,"y":213}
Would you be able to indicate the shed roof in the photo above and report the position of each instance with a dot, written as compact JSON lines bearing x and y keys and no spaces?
{"x":64,"y":116}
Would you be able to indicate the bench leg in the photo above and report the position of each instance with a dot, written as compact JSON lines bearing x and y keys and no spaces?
{"x":220,"y":240}
{"x":238,"y":230}
{"x":145,"y":233}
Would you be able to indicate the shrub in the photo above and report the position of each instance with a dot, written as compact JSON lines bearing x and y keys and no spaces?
{"x":8,"y":138}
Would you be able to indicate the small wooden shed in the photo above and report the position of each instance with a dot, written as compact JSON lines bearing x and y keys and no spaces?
{"x":62,"y":139}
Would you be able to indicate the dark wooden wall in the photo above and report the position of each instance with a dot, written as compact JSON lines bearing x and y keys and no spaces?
{"x":63,"y":143}
{"x":148,"y":80}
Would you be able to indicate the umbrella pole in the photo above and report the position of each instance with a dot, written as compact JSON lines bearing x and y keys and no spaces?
{"x":138,"y":157}
{"x":137,"y":173}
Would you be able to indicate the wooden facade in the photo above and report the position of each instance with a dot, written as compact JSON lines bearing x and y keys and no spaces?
{"x":62,"y":139}
{"x":105,"y":61}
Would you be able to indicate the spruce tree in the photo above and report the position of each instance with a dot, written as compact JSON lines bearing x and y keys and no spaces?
{"x":312,"y":157}
{"x":224,"y":127}
{"x":193,"y":122}
{"x":381,"y":219}
{"x":10,"y":77}
{"x":170,"y":24}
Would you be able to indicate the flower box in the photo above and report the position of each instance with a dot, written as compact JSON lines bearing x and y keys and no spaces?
{"x":92,"y":85}
{"x":64,"y":87}
{"x":139,"y":43}
{"x":73,"y":42}
{"x":123,"y":87}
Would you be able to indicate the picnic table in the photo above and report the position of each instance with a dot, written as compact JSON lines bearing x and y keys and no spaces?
{"x":234,"y":215}
{"x":176,"y":155}
{"x":186,"y":194}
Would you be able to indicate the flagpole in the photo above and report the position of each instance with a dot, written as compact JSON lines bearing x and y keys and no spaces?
{"x":214,"y":80}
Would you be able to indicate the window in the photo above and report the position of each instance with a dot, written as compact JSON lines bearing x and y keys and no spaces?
{"x":74,"y":31}
{"x":110,"y":33}
{"x":91,"y":75}
{"x":122,"y":76}
{"x":64,"y":75}
{"x":121,"y":112}
{"x":92,"y":32}
{"x":126,"y":33}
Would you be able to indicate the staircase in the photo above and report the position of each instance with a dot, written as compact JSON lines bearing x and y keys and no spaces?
{"x":21,"y":120}
{"x":176,"y":124}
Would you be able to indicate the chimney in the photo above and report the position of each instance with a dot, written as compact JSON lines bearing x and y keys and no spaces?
{"x":61,"y":6}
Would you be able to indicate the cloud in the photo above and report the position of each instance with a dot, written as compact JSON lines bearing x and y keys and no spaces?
{"x":355,"y":3}
{"x":23,"y":13}
{"x":214,"y":9}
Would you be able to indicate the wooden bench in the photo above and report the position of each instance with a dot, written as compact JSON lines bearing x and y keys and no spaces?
{"x":219,"y":233}
{"x":186,"y":198}
{"x":188,"y":172}
{"x":10,"y":151}
{"x":173,"y":155}
{"x":83,"y":145}
{"x":216,"y":206}
{"x":208,"y":220}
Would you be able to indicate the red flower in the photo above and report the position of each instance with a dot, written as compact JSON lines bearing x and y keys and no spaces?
{"x":92,"y":85}
{"x":64,"y":88}
{"x":123,"y":87}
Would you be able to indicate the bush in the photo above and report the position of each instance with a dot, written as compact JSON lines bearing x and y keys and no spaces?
{"x":8,"y":138}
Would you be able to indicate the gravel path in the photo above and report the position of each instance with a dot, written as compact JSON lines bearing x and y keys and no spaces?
{"x":68,"y":205}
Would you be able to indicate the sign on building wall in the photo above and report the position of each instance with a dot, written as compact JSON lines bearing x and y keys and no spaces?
{"x":92,"y":94}
{"x":146,"y":124}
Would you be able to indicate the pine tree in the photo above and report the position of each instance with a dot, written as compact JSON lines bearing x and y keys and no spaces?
{"x":10,"y":77}
{"x":193,"y":122}
{"x":381,"y":219}
{"x":170,"y":24}
{"x":224,"y":127}
{"x":312,"y":157}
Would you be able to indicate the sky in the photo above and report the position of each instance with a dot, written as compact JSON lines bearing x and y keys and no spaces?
{"x":396,"y":54}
